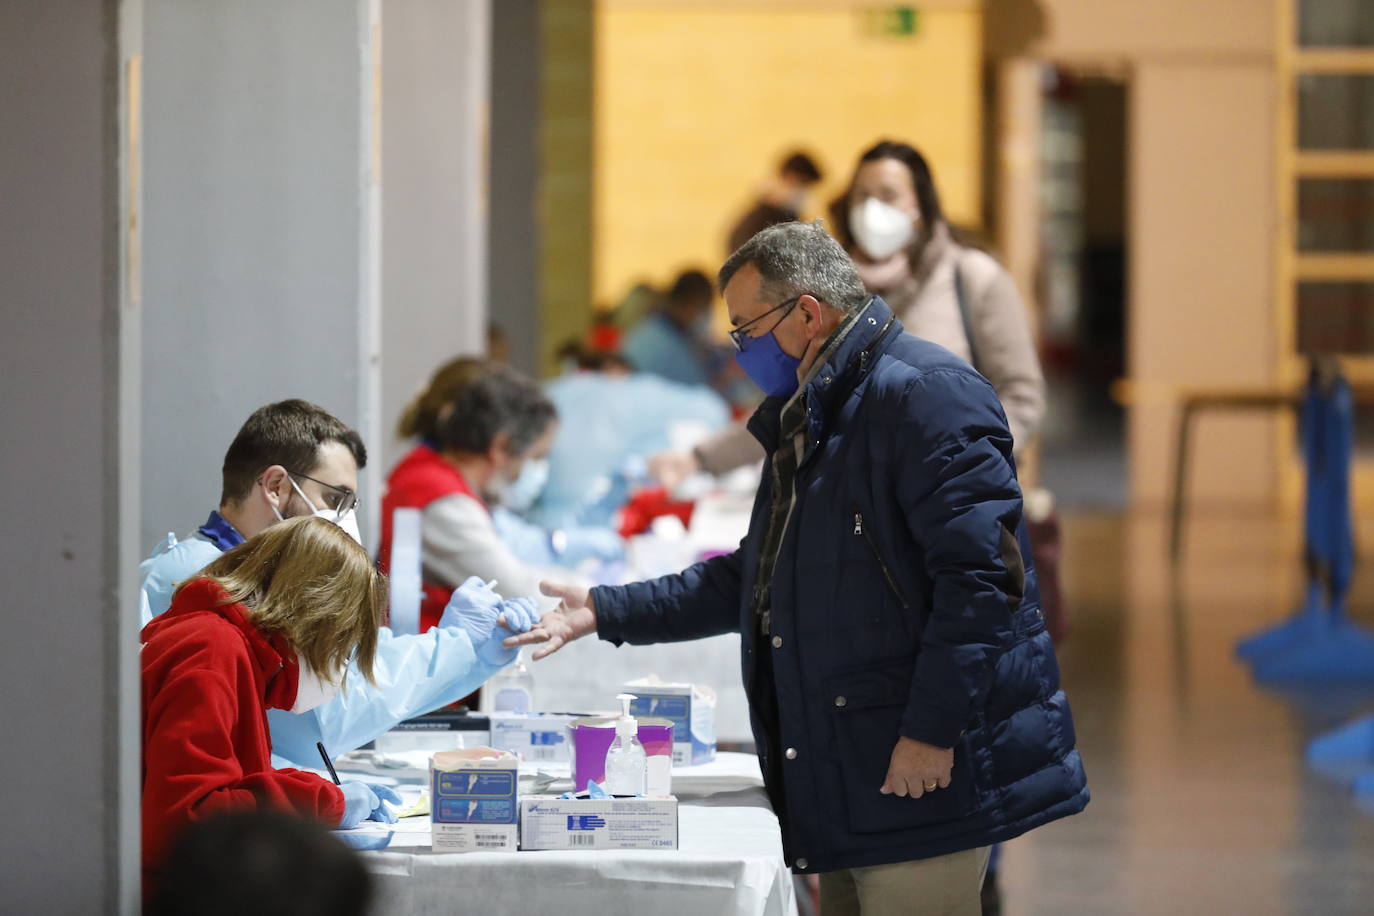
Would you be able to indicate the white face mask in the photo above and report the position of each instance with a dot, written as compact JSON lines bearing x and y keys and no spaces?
{"x":312,"y":690}
{"x":881,"y":230}
{"x":348,"y":521}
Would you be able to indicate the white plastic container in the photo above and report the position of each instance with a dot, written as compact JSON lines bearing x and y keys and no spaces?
{"x":510,"y":690}
{"x":627,"y":766}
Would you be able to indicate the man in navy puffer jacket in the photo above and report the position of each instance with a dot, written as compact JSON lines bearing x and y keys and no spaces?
{"x":904,"y":693}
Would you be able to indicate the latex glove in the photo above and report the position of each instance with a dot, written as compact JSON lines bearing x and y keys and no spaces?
{"x":591,"y":543}
{"x":518,"y":615}
{"x":473,"y":608}
{"x":367,"y":802}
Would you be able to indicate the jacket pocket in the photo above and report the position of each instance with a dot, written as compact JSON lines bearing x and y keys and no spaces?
{"x":861,"y":530}
{"x":867,"y":709}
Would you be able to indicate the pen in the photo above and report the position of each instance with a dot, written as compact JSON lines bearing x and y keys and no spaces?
{"x":327,"y":763}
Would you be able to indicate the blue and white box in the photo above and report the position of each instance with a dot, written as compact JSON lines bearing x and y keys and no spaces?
{"x":548,"y":822}
{"x":474,"y":801}
{"x":690,"y":708}
{"x":541,"y":737}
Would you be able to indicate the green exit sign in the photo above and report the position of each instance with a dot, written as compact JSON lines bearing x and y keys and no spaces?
{"x":891,"y":21}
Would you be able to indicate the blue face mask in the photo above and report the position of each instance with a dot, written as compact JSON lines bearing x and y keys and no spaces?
{"x":521,"y":494}
{"x":764,"y":361}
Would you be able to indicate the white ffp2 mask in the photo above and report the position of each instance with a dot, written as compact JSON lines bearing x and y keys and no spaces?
{"x":312,"y":690}
{"x":880,"y":230}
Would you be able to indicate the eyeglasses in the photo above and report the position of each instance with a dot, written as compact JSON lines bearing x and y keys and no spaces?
{"x":738,"y":337}
{"x":341,"y":499}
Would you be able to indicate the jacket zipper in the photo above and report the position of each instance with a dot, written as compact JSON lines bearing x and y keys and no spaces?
{"x":887,"y":573}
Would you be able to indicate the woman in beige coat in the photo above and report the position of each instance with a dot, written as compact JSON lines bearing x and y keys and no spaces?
{"x":891,"y":223}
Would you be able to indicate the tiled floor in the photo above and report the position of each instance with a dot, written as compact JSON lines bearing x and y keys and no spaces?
{"x":1201,"y":800}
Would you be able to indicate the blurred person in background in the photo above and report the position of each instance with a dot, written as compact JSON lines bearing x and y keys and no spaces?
{"x":891,"y":223}
{"x":484,"y":434}
{"x":266,"y":863}
{"x":674,"y":341}
{"x":782,"y":200}
{"x":533,"y":545}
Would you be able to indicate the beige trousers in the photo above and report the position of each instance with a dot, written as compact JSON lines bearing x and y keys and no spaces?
{"x":944,"y":886}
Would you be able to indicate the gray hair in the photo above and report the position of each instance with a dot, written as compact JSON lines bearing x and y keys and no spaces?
{"x":797,"y":258}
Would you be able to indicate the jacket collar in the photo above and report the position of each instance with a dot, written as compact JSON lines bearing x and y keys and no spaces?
{"x":273,"y":658}
{"x":828,"y":385}
{"x":219,"y":532}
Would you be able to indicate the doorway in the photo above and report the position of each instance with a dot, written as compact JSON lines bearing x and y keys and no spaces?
{"x":1082,"y":285}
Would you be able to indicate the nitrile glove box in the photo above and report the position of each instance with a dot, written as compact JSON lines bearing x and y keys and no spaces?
{"x":691,"y":709}
{"x":441,"y":730}
{"x":473,"y":801}
{"x":541,"y":737}
{"x":548,"y":822}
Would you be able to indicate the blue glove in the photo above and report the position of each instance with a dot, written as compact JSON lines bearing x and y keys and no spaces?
{"x":520,"y":615}
{"x":473,"y":608}
{"x":365,"y":801}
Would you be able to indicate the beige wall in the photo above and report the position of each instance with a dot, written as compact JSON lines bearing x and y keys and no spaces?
{"x":1130,"y":29}
{"x":1201,"y":188}
{"x":1201,"y":270}
{"x":695,"y":103}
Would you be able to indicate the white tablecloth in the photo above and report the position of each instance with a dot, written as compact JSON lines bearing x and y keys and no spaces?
{"x":729,"y":862}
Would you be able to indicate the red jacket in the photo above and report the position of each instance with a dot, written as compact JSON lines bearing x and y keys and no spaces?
{"x":209,"y":678}
{"x":422,"y":477}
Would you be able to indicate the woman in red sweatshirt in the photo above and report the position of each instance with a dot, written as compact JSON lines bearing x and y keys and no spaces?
{"x":272,"y":623}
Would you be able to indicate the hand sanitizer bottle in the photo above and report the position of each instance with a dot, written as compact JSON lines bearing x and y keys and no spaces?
{"x":626,"y":765}
{"x":511,"y":689}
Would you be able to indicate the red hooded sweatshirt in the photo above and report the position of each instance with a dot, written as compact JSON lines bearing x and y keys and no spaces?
{"x":209,"y":678}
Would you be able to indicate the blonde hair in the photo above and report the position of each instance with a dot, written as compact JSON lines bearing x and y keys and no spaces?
{"x":307,"y":581}
{"x":421,"y":417}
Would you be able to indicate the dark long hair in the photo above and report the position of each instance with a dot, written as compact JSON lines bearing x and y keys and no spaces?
{"x":927,"y":197}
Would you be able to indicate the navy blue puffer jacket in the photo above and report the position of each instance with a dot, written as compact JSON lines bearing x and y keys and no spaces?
{"x":900,"y":607}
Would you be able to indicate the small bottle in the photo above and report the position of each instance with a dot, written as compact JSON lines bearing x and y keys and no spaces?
{"x":627,"y":766}
{"x":511,"y":689}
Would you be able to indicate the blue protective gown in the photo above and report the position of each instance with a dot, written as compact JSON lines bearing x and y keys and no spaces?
{"x":609,"y":424}
{"x":415,"y":674}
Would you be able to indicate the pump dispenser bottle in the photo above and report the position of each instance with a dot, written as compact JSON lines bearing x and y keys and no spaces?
{"x":626,"y":764}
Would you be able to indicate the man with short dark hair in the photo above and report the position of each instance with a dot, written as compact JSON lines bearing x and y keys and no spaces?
{"x":903,"y":691}
{"x":290,"y":459}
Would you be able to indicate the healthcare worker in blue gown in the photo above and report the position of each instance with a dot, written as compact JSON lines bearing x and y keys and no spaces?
{"x":291,"y":459}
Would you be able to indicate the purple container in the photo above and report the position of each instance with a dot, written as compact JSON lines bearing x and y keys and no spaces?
{"x":591,"y":739}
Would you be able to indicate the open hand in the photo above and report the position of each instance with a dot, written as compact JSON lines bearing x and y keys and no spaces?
{"x":574,"y":618}
{"x":917,"y":768}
